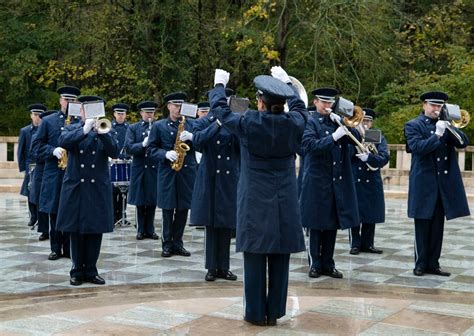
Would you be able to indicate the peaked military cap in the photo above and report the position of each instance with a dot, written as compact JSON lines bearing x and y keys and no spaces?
{"x":325,"y":94}
{"x":37,"y":108}
{"x":273,"y":89}
{"x":204,"y":106}
{"x":47,"y":113}
{"x":147,"y":106}
{"x":229,"y":92}
{"x":176,"y":98}
{"x":120,"y":108}
{"x":369,"y":113}
{"x":69,"y":92}
{"x":86,"y":99}
{"x":434,"y":97}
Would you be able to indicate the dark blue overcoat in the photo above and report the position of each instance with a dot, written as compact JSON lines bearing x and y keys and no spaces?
{"x":434,"y":168}
{"x":143,"y":177}
{"x":85,"y":205}
{"x":268,"y":217}
{"x":174,"y":188}
{"x":369,"y":184}
{"x":24,"y":156}
{"x":214,"y":201}
{"x":328,"y":197}
{"x":37,"y":176}
{"x":47,"y":140}
{"x":121,"y":130}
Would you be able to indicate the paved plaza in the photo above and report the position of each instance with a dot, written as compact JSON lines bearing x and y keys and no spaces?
{"x":149,"y":295}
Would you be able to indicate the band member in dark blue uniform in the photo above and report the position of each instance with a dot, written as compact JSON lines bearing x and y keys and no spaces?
{"x":214,"y":198}
{"x":144,"y":171}
{"x":370,"y":196}
{"x":49,"y":150}
{"x":202,"y":111}
{"x":37,"y":178}
{"x":120,"y":126}
{"x":175,"y":188}
{"x":311,"y":111}
{"x":268,"y":217}
{"x":328,"y":198}
{"x":85,"y":207}
{"x":24,"y":157}
{"x":435,"y":187}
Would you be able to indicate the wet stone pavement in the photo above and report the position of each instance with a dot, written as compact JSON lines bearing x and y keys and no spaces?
{"x":149,"y":295}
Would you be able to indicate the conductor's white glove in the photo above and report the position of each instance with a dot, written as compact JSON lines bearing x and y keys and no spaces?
{"x":145,"y":142}
{"x":279,"y":73}
{"x":440,"y":127}
{"x":88,"y":124}
{"x":221,"y":77}
{"x":363,"y":156}
{"x":334,"y":117}
{"x":171,"y":155}
{"x":58,"y":152}
{"x":186,"y":136}
{"x":338,"y":133}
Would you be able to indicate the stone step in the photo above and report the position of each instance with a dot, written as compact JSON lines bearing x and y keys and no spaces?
{"x":10,"y":174}
{"x":8,"y":165}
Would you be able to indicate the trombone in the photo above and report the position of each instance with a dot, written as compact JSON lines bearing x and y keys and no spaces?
{"x":458,"y":124}
{"x":353,"y":122}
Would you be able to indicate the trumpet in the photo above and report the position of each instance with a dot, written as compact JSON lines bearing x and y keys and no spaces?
{"x":103,"y":125}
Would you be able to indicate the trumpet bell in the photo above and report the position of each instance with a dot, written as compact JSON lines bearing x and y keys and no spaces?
{"x":464,"y":121}
{"x":356,"y":118}
{"x":103,"y":126}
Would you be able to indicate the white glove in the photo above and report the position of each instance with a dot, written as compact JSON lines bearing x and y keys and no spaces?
{"x":440,"y":127}
{"x":171,"y":155}
{"x":334,"y":117}
{"x":58,"y":152}
{"x":221,"y":77}
{"x":363,"y":156}
{"x":185,"y":136}
{"x":338,"y":133}
{"x":278,"y":73}
{"x":88,"y":124}
{"x":145,"y":142}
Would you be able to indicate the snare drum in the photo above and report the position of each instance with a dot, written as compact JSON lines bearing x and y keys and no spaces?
{"x":120,"y":172}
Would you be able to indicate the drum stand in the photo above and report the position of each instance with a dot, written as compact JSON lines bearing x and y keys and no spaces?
{"x":123,"y":221}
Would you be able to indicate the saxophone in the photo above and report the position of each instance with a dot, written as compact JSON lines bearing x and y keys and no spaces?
{"x":180,"y":147}
{"x":62,"y":163}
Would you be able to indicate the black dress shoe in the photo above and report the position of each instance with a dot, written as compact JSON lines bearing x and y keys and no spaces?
{"x":140,"y":236}
{"x":31,"y":223}
{"x":372,"y":250}
{"x":166,"y":253}
{"x":227,"y":275}
{"x":271,"y":322}
{"x":314,"y":273}
{"x":418,"y":272}
{"x":75,"y":281}
{"x":153,"y":236}
{"x":54,"y":256}
{"x":333,"y":273}
{"x":354,"y":250}
{"x":43,"y":236}
{"x":257,"y":323}
{"x":181,"y":251}
{"x":98,"y":280}
{"x":210,"y":276}
{"x":438,"y":271}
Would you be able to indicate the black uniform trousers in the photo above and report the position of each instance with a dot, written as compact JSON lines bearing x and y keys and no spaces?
{"x":85,"y":250}
{"x":174,"y":222}
{"x":43,"y":222}
{"x":362,"y":236}
{"x":321,"y":249}
{"x":217,"y":248}
{"x":118,"y":201}
{"x":146,"y":219}
{"x":258,"y":304}
{"x":58,"y":240}
{"x":33,"y":209}
{"x":429,"y":239}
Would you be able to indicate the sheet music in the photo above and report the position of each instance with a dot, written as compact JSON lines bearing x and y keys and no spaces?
{"x":74,"y":109}
{"x":188,"y":110}
{"x":94,"y":110}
